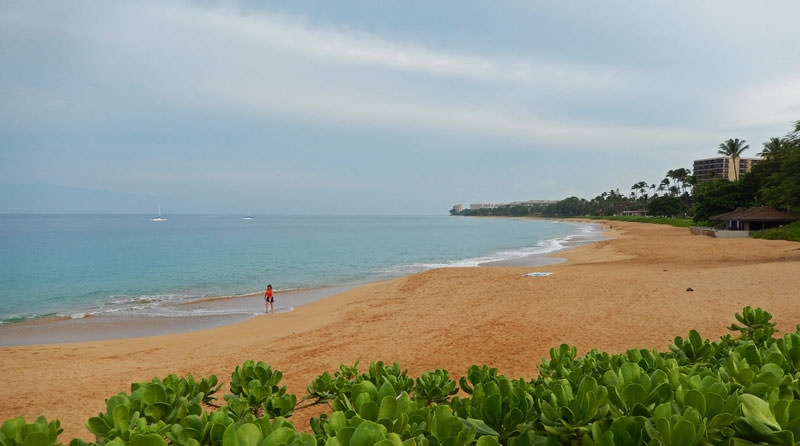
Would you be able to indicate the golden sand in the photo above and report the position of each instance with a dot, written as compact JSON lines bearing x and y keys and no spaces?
{"x":629,"y":292}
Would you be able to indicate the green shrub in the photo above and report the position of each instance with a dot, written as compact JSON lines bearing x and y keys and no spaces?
{"x":789,"y":232}
{"x":676,"y":221}
{"x":257,"y":385}
{"x":742,"y":390}
{"x":17,"y":432}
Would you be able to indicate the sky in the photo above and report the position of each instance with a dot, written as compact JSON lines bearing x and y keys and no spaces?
{"x":377,"y":107}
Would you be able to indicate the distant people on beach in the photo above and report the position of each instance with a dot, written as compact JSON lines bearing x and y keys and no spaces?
{"x":268,"y":300}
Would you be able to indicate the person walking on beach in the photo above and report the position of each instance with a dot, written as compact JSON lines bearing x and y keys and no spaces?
{"x":268,"y":300}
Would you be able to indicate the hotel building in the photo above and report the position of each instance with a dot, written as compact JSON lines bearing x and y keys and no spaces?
{"x":720,"y":167}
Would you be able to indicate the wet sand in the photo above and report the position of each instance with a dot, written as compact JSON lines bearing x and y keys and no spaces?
{"x":627,"y":292}
{"x":191,"y":316}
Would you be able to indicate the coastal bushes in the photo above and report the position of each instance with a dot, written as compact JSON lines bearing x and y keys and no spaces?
{"x":743,"y":389}
{"x":677,"y":222}
{"x":789,"y":232}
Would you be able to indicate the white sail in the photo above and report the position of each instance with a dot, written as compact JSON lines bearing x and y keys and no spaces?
{"x":159,"y":218}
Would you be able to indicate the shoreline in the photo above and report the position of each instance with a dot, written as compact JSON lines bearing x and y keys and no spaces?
{"x":210,"y":313}
{"x":166,"y":265}
{"x":213,"y":312}
{"x":630,"y":291}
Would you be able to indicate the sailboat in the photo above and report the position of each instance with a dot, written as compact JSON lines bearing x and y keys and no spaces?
{"x":159,"y":218}
{"x":248,"y":216}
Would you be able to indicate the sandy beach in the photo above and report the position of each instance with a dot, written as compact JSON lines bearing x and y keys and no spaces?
{"x":630,"y":291}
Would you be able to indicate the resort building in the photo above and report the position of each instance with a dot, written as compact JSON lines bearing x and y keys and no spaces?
{"x":634,"y":213}
{"x":532,"y":202}
{"x":720,"y":167}
{"x":751,"y":219}
{"x":476,"y":206}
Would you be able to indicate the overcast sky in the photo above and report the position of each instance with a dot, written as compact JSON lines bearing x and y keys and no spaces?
{"x":377,"y":107}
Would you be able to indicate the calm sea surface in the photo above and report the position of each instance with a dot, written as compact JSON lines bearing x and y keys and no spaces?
{"x":79,"y":265}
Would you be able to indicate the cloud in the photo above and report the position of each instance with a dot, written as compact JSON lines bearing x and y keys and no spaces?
{"x":651,"y":86}
{"x":776,"y":102}
{"x":132,"y":59}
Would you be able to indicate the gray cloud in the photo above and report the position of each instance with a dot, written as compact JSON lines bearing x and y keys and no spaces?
{"x":650,"y":86}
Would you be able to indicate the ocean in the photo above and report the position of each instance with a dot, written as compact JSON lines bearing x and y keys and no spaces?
{"x":76,"y":266}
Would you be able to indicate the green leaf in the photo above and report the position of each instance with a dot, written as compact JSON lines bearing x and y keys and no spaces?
{"x":720,"y":421}
{"x":662,"y":411}
{"x":695,"y":339}
{"x":660,"y":394}
{"x":388,"y":408}
{"x":385,"y":390}
{"x":121,"y":418}
{"x":157,"y":411}
{"x":344,"y":435}
{"x":98,"y":426}
{"x":12,"y":428}
{"x":365,"y":388}
{"x":391,"y":439}
{"x":368,"y":433}
{"x":337,"y":421}
{"x":634,"y":393}
{"x":487,"y":440}
{"x":153,"y":393}
{"x":492,"y":411}
{"x":695,"y":399}
{"x":280,"y":436}
{"x":629,"y":372}
{"x":37,"y":439}
{"x":683,"y":434}
{"x":151,"y":439}
{"x":247,"y":434}
{"x":368,"y":410}
{"x":758,"y":415}
{"x":481,"y":427}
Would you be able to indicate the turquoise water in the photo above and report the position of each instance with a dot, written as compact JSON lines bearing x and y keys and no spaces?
{"x":79,"y":265}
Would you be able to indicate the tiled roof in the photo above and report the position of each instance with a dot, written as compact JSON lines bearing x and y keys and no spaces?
{"x":763,"y":213}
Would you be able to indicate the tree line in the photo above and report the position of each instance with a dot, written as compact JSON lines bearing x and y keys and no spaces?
{"x":773,"y":181}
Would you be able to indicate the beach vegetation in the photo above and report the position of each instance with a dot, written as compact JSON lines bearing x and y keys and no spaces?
{"x":257,"y":385}
{"x":152,"y":408}
{"x":671,"y":221}
{"x":718,"y":196}
{"x":435,"y":386}
{"x":743,"y":389}
{"x":773,"y":181}
{"x":667,"y":206}
{"x":17,"y":432}
{"x":325,"y":388}
{"x":756,"y":324}
{"x":789,"y":232}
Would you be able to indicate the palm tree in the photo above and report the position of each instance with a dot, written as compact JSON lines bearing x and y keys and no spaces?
{"x":663,"y":185}
{"x":772,"y":147}
{"x":795,"y":134}
{"x":680,"y":177}
{"x":641,"y":186}
{"x":732,"y":148}
{"x":690,"y":180}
